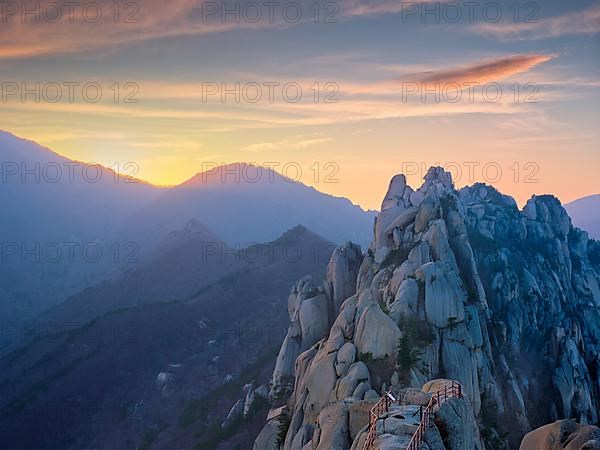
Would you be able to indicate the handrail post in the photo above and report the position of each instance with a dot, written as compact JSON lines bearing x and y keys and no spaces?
{"x":426,"y":414}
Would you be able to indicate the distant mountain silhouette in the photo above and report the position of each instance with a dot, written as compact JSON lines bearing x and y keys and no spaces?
{"x":246,"y":203}
{"x":53,"y":197}
{"x":228,"y":321}
{"x":585,"y":213}
{"x":51,"y":202}
{"x":186,"y":261}
{"x":53,"y":208}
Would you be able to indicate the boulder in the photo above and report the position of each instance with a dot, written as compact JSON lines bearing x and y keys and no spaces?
{"x":418,"y":256}
{"x":562,"y":435}
{"x":439,"y":243}
{"x":372,"y":395}
{"x":314,"y":320}
{"x":412,"y":396}
{"x":359,"y":416}
{"x":342,"y":272}
{"x":303,"y":363}
{"x":262,"y":391}
{"x":357,"y":373}
{"x":320,"y":383}
{"x":429,"y":210}
{"x":284,"y":365}
{"x":345,"y":357}
{"x":433,"y":386}
{"x":406,"y":301}
{"x":403,"y":219}
{"x":333,"y":428}
{"x":376,"y":333}
{"x":335,"y":341}
{"x":345,"y":319}
{"x":361,"y":390}
{"x":395,"y":192}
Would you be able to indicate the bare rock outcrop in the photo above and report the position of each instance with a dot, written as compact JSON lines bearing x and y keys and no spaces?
{"x":562,"y":435}
{"x":309,"y":322}
{"x":459,"y":285}
{"x":342,"y":272}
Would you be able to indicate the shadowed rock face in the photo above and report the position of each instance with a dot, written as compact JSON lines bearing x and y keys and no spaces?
{"x":459,"y":285}
{"x":542,"y":287}
{"x":563,"y":435}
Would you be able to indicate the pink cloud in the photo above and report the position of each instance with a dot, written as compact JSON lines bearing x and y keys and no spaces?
{"x":488,"y":71}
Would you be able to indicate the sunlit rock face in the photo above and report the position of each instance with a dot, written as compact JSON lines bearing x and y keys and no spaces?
{"x":459,"y":285}
{"x":563,"y":435}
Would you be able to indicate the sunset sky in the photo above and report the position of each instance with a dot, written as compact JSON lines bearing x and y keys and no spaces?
{"x":369,"y":56}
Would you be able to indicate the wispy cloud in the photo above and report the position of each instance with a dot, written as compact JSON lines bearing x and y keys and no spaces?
{"x":78,"y":32}
{"x":584,"y":22}
{"x":358,"y":101}
{"x":377,"y":7}
{"x":298,"y":143}
{"x":485,"y":72}
{"x":490,"y":70}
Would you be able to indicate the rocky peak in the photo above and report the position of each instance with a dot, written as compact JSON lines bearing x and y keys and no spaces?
{"x":399,"y":194}
{"x":548,"y":212}
{"x":395,"y":192}
{"x":456,"y":285}
{"x":437,"y":180}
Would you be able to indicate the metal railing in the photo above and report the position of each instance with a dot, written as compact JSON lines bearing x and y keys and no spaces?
{"x":454,"y":390}
{"x":437,"y":399}
{"x":380,"y":408}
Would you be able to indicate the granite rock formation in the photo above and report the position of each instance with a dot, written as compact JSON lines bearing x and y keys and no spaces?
{"x":460,"y":285}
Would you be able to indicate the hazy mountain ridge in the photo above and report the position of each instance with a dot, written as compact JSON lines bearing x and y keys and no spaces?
{"x":266,"y":202}
{"x":99,"y":385}
{"x":459,"y":285}
{"x":59,"y":212}
{"x":585,"y":213}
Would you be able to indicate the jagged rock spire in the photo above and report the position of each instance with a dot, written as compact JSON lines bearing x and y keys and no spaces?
{"x":505,"y":302}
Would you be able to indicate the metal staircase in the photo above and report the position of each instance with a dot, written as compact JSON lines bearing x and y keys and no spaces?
{"x":452,"y":390}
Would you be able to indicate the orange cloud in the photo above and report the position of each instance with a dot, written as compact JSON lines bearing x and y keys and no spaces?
{"x":76,"y":30}
{"x":477,"y":73}
{"x":47,"y":30}
{"x":486,"y":72}
{"x":357,"y":101}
